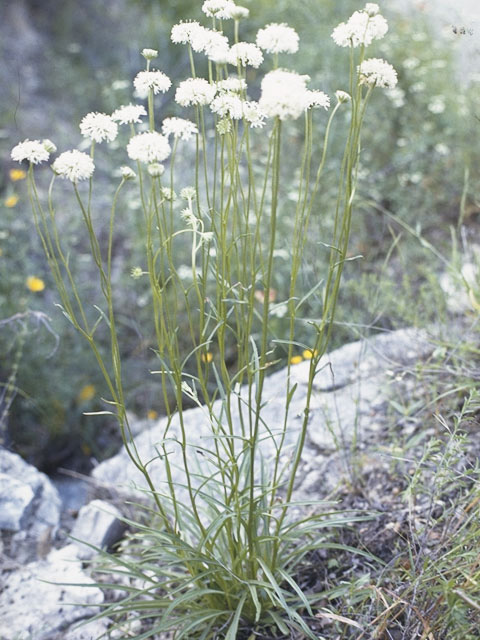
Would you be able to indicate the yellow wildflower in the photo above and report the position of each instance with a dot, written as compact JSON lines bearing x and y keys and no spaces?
{"x":308,"y":354}
{"x":86,"y":393}
{"x":207,"y":357}
{"x":11,"y":201}
{"x":35,"y":284}
{"x":152,"y":414}
{"x":296,"y":359}
{"x":17,"y":174}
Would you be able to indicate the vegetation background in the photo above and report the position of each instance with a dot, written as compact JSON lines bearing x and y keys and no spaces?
{"x":418,"y":187}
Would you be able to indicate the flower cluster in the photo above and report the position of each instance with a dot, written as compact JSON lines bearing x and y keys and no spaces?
{"x":155,"y":81}
{"x":285,"y":95}
{"x":278,"y":38}
{"x":98,"y":127}
{"x":230,"y":105}
{"x":194,"y":91}
{"x":74,"y":166}
{"x":179,"y":128}
{"x":185,"y":32}
{"x":375,"y":72}
{"x":202,"y":40}
{"x":316,"y":99}
{"x":245,"y":53}
{"x":361,"y":28}
{"x":129,"y":114}
{"x":232,"y":84}
{"x":32,"y":150}
{"x":148,"y":147}
{"x":222,"y":9}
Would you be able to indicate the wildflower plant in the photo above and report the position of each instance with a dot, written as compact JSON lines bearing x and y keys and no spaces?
{"x":220,"y":548}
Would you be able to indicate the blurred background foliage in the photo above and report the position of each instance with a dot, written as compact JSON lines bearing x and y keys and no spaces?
{"x":66,"y":59}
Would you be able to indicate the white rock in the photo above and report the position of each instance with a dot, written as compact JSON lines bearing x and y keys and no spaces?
{"x":16,"y":500}
{"x":30,"y":508}
{"x":88,"y":631}
{"x":98,"y":524}
{"x":44,"y":597}
{"x":350,"y":394}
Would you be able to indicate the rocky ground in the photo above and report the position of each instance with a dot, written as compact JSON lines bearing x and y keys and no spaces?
{"x":346,"y":447}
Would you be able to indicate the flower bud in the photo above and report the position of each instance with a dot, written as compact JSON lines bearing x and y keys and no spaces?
{"x":49,"y":146}
{"x":127,"y":173}
{"x":149,"y":54}
{"x":156,"y":169}
{"x":342,"y":96}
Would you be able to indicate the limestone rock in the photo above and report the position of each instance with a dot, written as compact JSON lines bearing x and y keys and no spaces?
{"x":88,"y":631}
{"x":29,"y":508}
{"x":37,"y":600}
{"x":16,"y":501}
{"x":350,"y":395}
{"x":97,"y":524}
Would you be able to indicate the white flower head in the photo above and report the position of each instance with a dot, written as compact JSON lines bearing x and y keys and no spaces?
{"x":284,"y":94}
{"x":136,"y":272}
{"x":127,"y":173}
{"x":148,"y":147}
{"x":221,"y":9}
{"x":375,"y":72}
{"x":156,"y":169}
{"x":317,"y":99}
{"x":253,"y":114}
{"x":342,"y":96}
{"x":278,"y":38}
{"x":168,"y":194}
{"x":214,"y":44}
{"x":372,"y":8}
{"x":50,"y":146}
{"x":98,"y":127}
{"x":218,"y":52}
{"x":190,"y":218}
{"x":232,"y":84}
{"x":32,"y":150}
{"x":183,"y":32}
{"x":360,"y":28}
{"x":227,"y":105}
{"x":207,"y":236}
{"x":194,"y":91}
{"x":245,"y":53}
{"x":188,"y":193}
{"x":149,"y":54}
{"x":155,"y":81}
{"x":238,"y":12}
{"x":129,"y":114}
{"x":74,"y":166}
{"x":179,"y":128}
